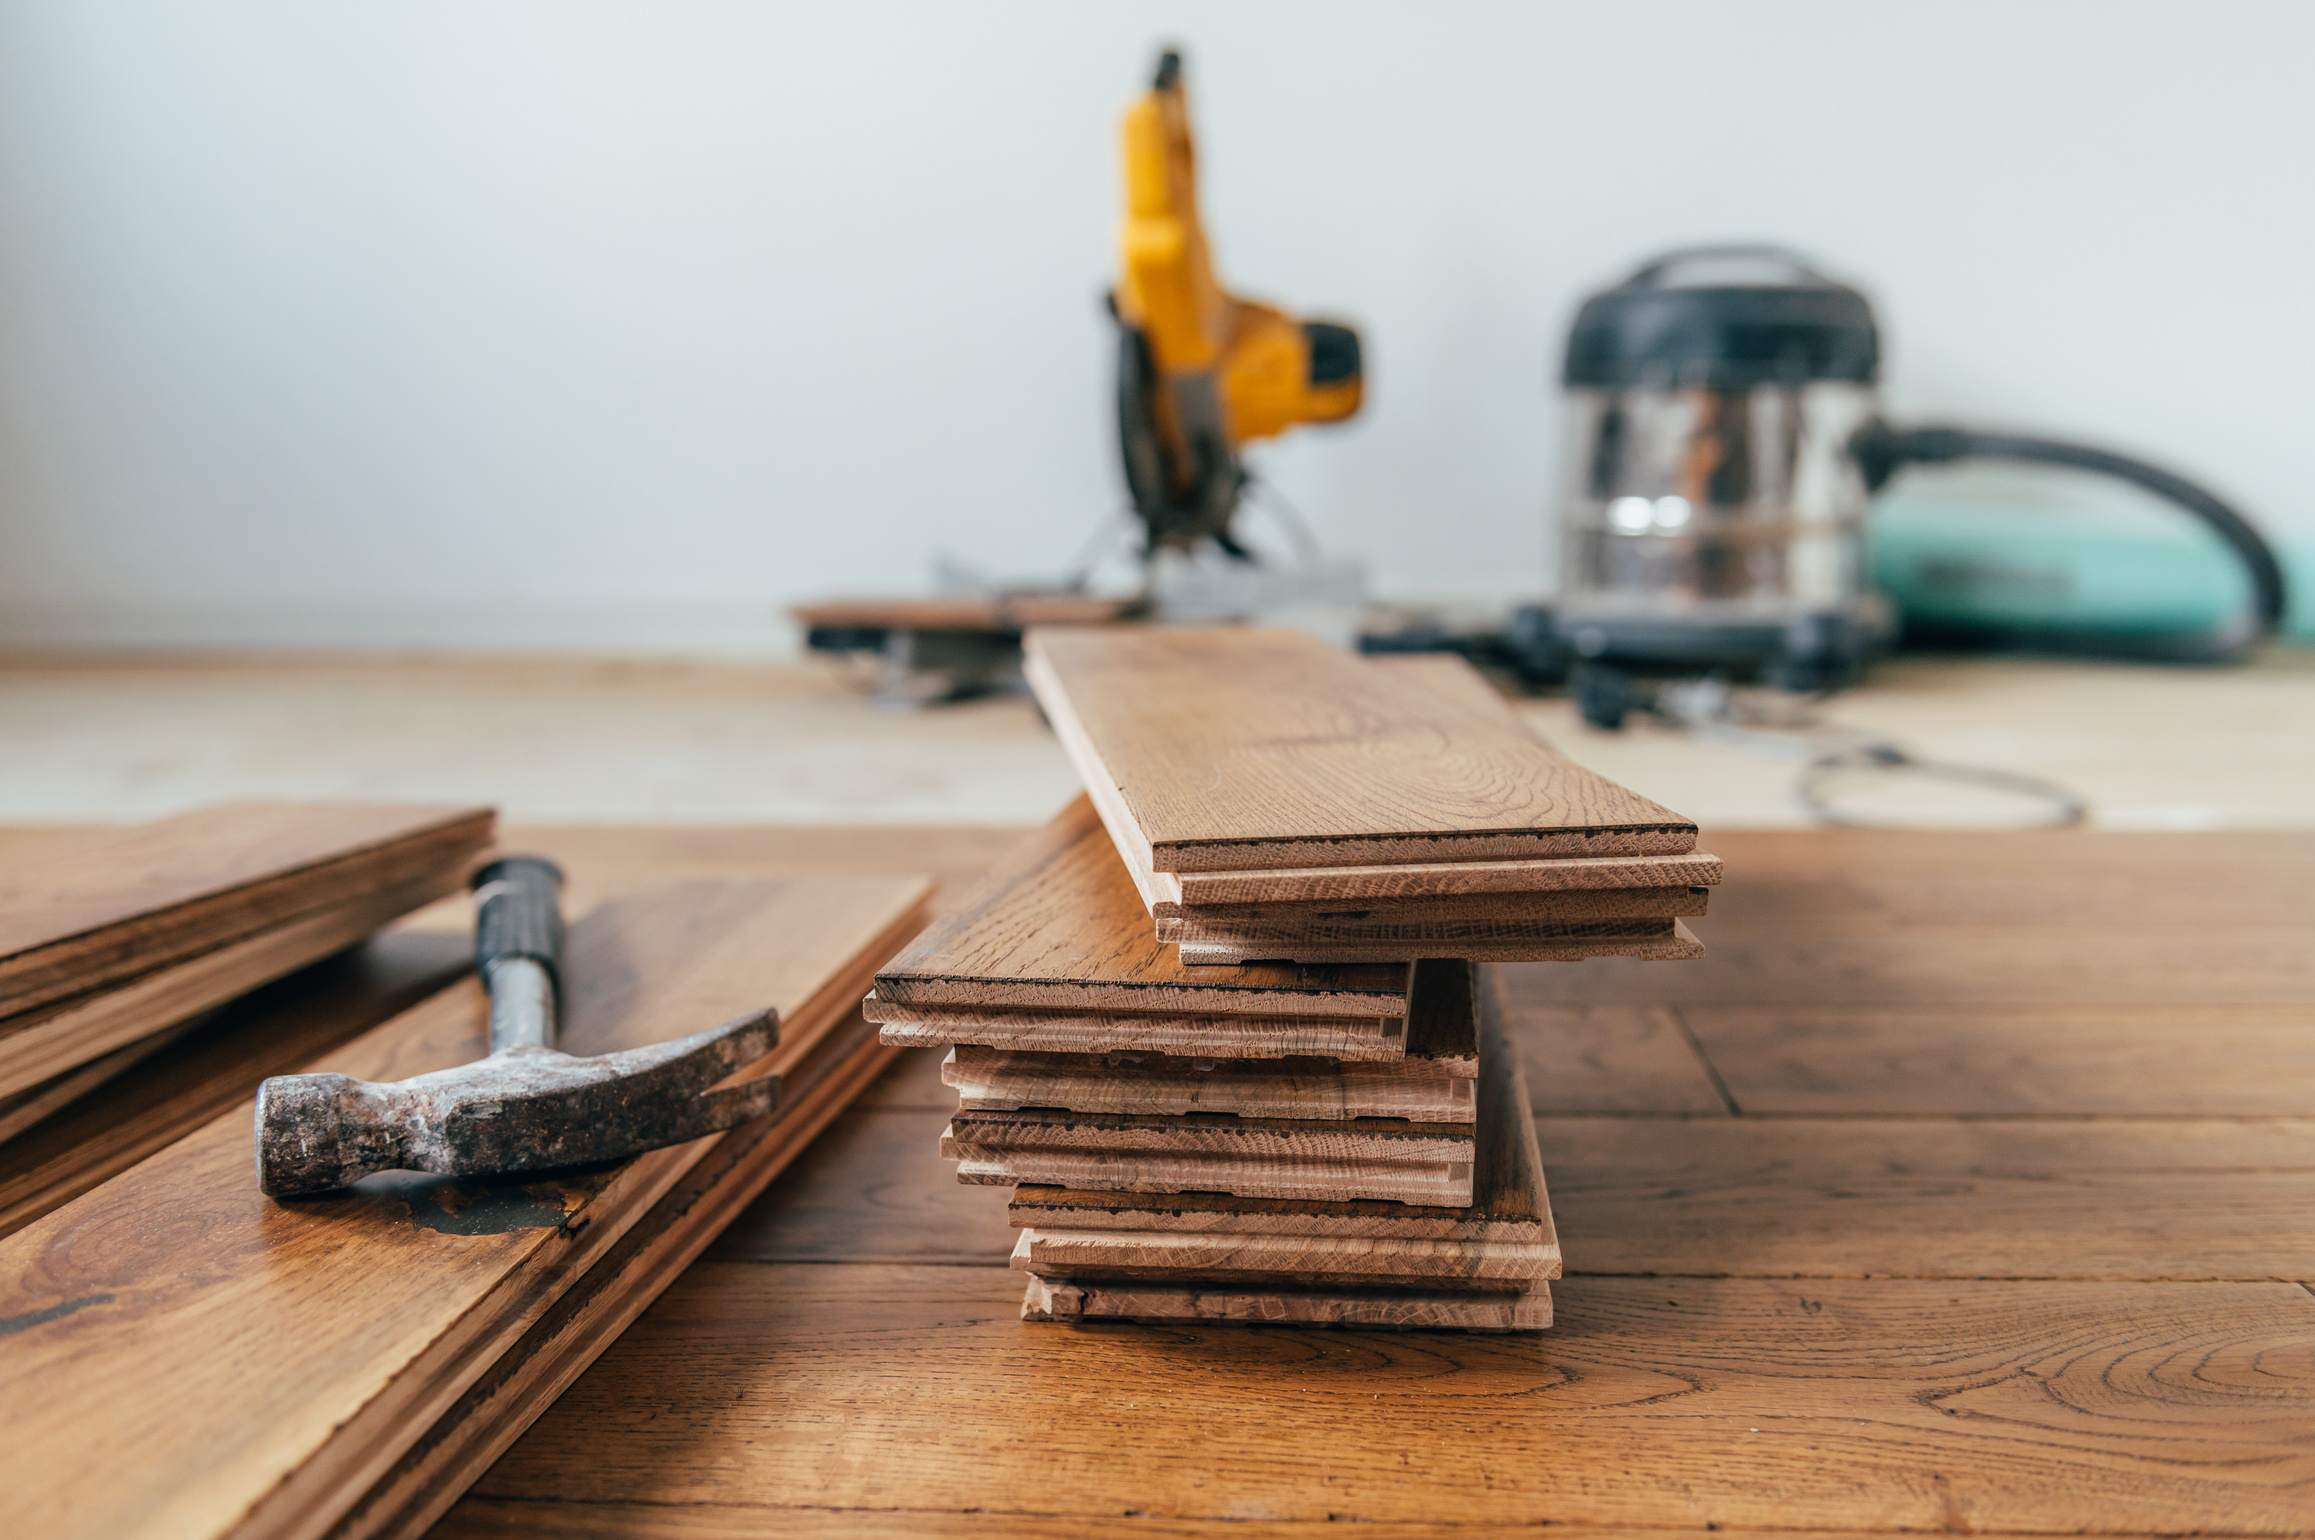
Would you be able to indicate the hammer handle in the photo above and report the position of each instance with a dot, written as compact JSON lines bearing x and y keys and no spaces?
{"x":519,"y":914}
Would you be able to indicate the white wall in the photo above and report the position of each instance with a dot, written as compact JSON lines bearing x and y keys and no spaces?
{"x":548,"y":324}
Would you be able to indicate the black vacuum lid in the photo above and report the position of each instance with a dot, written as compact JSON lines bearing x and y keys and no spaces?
{"x":1723,"y":318}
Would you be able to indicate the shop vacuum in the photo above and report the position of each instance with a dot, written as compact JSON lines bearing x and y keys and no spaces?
{"x":1724,"y":444}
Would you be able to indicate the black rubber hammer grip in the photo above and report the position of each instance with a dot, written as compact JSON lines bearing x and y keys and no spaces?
{"x":519,"y":914}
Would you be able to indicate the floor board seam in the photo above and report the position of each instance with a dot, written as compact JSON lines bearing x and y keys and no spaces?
{"x":1711,"y":1070}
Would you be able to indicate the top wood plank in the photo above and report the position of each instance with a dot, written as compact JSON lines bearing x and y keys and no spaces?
{"x":1235,"y":748}
{"x":105,"y":904}
{"x":1057,"y":925}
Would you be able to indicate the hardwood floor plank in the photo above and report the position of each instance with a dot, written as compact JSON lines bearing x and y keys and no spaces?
{"x":497,"y":1519}
{"x":2115,"y":1060}
{"x":232,"y":1364}
{"x":100,"y":905}
{"x":874,"y":1188}
{"x":1237,"y":747}
{"x":1941,"y":1198}
{"x":1057,"y":925}
{"x":1950,"y":1405}
{"x":1609,"y":1058}
{"x":2236,"y":965}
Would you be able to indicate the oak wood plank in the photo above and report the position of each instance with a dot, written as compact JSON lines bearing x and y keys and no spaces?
{"x":1988,"y":1407}
{"x":1186,"y":892}
{"x":1238,"y":747}
{"x":995,"y":1080}
{"x":1509,"y":1204}
{"x":1611,"y":1058}
{"x":479,"y":1518}
{"x":56,"y":1039}
{"x":1176,"y":922}
{"x":106,"y":904}
{"x":1431,"y":1082}
{"x":874,"y":1188}
{"x":295,"y":1379}
{"x":1367,"y":1039}
{"x":2113,"y":1060}
{"x":2269,"y":965}
{"x":1935,"y":1198}
{"x":525,"y":1379}
{"x":1636,"y":940}
{"x":1057,"y":925}
{"x":1277,"y":1268}
{"x":1089,"y":1301}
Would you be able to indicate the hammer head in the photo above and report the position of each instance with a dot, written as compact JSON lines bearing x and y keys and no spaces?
{"x":521,"y":1109}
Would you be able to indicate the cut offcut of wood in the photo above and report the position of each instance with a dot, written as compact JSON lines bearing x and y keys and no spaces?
{"x":1161,"y":1304}
{"x":1244,"y":748}
{"x":83,"y":910}
{"x":1057,"y":925}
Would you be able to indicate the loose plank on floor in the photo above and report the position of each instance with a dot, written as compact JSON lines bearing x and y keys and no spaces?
{"x":1238,"y":747}
{"x":1924,"y":1405}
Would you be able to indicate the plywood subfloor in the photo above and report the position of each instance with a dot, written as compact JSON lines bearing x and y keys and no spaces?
{"x":1984,"y":1244}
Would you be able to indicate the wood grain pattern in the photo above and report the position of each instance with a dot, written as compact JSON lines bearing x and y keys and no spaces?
{"x":175,"y":1273}
{"x":1940,"y":1198}
{"x":106,"y":904}
{"x":1366,"y":1039}
{"x":1448,"y":937}
{"x":1268,"y":1262}
{"x":1057,"y":925}
{"x":1188,"y":892}
{"x":2114,"y":1060}
{"x":1613,"y":1058}
{"x":524,"y":1380}
{"x":1508,"y":1204}
{"x":994,"y":1080}
{"x":1432,"y":1082}
{"x":1180,"y":923}
{"x":1429,"y":1163}
{"x":1362,"y":1309}
{"x":1633,"y":940}
{"x":1936,"y":1406}
{"x":1236,"y":748}
{"x":53,"y":1040}
{"x":761,"y":1395}
{"x":218,"y":1065}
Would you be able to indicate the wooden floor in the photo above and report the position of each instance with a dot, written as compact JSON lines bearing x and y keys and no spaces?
{"x":1967,"y":1185}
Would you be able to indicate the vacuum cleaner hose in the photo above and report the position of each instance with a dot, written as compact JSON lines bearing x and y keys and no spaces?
{"x":1881,"y":451}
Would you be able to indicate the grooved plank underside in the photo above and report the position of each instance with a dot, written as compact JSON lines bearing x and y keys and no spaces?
{"x":211,"y":1362}
{"x":1057,"y":925}
{"x":1239,"y":747}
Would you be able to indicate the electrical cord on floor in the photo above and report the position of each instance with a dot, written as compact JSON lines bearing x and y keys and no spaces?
{"x":1708,"y":710}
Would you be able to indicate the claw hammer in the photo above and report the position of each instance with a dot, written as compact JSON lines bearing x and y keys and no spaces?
{"x":528,"y":1106}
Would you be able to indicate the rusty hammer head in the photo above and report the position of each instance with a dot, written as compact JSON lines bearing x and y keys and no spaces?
{"x":526,"y":1107}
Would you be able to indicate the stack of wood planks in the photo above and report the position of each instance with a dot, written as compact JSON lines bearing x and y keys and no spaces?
{"x":1226,"y":1023}
{"x":1273,"y":797}
{"x":117,"y":946}
{"x":210,"y":1362}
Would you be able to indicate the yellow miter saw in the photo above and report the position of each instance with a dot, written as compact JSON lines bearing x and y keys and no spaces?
{"x":1201,"y":373}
